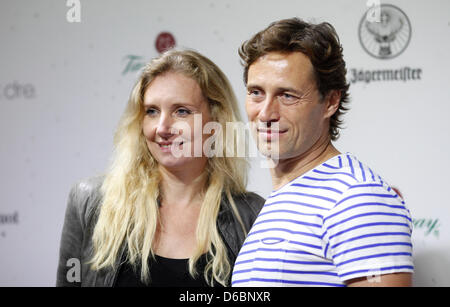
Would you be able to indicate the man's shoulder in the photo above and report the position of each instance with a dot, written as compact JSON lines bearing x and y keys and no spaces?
{"x":365,"y":185}
{"x":343,"y":176}
{"x":348,"y":169}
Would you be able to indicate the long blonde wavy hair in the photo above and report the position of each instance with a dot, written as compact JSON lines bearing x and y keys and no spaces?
{"x":129,"y":213}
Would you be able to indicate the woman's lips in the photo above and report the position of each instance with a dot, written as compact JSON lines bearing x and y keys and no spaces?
{"x":167,"y":146}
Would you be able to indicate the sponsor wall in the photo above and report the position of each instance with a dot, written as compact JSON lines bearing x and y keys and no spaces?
{"x":67,"y":68}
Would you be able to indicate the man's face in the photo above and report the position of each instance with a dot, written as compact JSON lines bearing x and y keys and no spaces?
{"x":284,"y":105}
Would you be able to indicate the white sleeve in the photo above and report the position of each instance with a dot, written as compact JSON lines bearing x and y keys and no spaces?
{"x":368,"y":233}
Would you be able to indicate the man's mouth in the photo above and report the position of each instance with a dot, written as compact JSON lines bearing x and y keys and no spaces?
{"x":269,"y":134}
{"x":270,"y":131}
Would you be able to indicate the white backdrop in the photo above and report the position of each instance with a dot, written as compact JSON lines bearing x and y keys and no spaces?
{"x":64,"y":85}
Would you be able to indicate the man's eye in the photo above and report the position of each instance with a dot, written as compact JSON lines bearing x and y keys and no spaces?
{"x":288,"y":98}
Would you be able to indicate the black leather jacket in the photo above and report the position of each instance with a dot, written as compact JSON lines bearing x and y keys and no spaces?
{"x":81,"y":216}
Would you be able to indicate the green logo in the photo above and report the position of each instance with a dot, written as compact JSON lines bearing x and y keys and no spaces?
{"x":134,"y":63}
{"x":429,"y":226}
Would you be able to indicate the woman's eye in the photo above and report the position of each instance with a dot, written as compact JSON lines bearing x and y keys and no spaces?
{"x":254,"y":92}
{"x":183,"y":112}
{"x":150,"y":112}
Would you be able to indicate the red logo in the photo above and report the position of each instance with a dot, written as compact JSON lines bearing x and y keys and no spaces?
{"x":164,"y":42}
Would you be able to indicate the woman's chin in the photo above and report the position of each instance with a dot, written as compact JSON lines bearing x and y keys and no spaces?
{"x":170,"y":162}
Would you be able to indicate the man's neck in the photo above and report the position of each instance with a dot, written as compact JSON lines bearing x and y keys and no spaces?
{"x":288,"y":169}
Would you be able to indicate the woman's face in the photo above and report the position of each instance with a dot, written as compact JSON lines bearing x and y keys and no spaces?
{"x":175,"y":113}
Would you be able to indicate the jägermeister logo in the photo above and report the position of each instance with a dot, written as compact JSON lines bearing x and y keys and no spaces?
{"x":133,"y":64}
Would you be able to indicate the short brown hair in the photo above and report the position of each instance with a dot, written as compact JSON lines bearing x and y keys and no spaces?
{"x":319,"y":42}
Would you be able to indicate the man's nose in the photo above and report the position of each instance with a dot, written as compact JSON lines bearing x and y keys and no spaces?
{"x":270,"y":111}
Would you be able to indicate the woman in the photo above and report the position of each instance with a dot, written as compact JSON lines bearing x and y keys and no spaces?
{"x":164,"y":215}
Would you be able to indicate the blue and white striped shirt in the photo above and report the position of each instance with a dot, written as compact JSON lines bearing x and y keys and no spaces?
{"x":336,"y":222}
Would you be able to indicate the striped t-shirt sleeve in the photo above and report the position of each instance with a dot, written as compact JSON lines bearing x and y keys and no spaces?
{"x":368,"y":232}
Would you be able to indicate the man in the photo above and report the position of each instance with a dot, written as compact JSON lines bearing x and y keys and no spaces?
{"x":331,"y":220}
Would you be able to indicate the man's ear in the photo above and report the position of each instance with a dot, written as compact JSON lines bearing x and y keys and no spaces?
{"x":332,"y":101}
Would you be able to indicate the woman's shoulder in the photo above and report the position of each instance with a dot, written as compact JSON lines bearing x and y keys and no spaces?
{"x":87,"y":187}
{"x":249,"y":201}
{"x":85,"y":195}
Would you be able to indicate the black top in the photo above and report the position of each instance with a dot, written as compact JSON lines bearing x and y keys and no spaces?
{"x":164,"y":272}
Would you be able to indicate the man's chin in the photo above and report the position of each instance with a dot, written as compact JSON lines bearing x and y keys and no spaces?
{"x":277,"y":155}
{"x":270,"y":152}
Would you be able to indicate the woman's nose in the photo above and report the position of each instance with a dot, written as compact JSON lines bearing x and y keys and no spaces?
{"x":165,"y":127}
